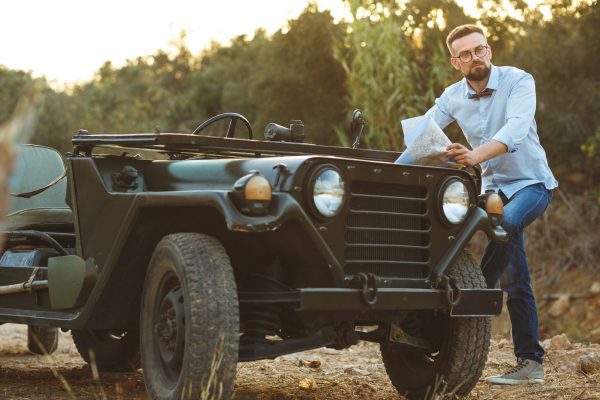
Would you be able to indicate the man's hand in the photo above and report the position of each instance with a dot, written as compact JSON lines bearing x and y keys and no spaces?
{"x":462,"y":155}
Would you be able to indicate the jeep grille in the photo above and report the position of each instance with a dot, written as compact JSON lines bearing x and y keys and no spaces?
{"x":387,"y":230}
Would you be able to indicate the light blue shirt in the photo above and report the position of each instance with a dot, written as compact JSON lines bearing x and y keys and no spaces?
{"x":506,"y":116}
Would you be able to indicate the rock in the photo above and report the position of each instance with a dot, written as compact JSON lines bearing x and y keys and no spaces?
{"x":546,"y":344}
{"x":290,"y":357}
{"x":560,"y":306}
{"x":327,"y":350}
{"x":309,"y":363}
{"x":493,"y":360}
{"x":356,"y":371}
{"x":558,"y":342}
{"x":307,"y":384}
{"x":595,"y":288}
{"x":589,"y":364}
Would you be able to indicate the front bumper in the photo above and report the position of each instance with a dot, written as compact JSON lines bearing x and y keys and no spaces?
{"x":472,"y":302}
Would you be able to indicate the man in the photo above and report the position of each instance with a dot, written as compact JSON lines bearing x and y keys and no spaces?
{"x":495,"y":107}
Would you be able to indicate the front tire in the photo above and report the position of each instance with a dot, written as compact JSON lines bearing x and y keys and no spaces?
{"x":189,"y":320}
{"x":461,"y":346}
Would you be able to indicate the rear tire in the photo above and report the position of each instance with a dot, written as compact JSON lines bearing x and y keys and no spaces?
{"x":461,"y":346}
{"x":114,"y":351}
{"x":42,"y":339}
{"x":189,"y":320}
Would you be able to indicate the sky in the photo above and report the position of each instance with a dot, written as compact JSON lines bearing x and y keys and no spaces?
{"x":68,"y":40}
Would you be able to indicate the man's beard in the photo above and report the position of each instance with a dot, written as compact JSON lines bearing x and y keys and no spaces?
{"x":479,"y":74}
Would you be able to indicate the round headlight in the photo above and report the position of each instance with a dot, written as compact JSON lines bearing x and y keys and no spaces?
{"x":328,"y":192}
{"x":455,"y":202}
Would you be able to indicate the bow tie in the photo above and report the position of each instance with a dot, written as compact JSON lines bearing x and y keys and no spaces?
{"x":486,"y":92}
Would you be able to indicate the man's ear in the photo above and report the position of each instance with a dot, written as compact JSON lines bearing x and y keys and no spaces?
{"x":490,"y":51}
{"x":455,"y":63}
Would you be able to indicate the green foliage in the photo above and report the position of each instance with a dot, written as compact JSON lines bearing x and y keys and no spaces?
{"x":390,"y":61}
{"x":222,"y":82}
{"x":293,"y":75}
{"x":55,"y":123}
{"x":12,"y":86}
{"x":299,"y":77}
{"x":143,"y":94}
{"x":381,"y":80}
{"x":564,"y":57}
{"x":53,"y":112}
{"x":397,"y":62}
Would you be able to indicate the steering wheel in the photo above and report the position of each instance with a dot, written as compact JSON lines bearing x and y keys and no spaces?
{"x":231,"y":130}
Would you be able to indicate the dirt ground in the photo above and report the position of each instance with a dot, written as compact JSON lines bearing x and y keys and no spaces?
{"x":354,"y":373}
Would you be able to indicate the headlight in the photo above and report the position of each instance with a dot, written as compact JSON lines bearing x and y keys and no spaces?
{"x":455,"y":202}
{"x":328,"y":192}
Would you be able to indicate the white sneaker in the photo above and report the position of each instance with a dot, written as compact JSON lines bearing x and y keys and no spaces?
{"x":526,"y":372}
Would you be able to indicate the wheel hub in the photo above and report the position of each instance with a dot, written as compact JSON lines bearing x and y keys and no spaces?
{"x":170,"y":329}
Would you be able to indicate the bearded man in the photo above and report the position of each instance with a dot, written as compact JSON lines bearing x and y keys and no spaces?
{"x":495,"y":107}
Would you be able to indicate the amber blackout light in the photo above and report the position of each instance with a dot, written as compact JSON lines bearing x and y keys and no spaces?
{"x":252,"y":194}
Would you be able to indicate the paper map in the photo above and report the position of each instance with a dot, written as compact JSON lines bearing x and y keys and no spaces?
{"x":425,"y":143}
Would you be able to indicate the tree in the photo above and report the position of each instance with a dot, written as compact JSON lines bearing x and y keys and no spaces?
{"x":12,"y":86}
{"x":397,"y":62}
{"x":300,"y":78}
{"x":222,"y":83}
{"x":145,"y":93}
{"x":563,"y":55}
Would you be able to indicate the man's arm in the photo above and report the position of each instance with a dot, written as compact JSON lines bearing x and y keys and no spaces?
{"x":520,"y":114}
{"x":439,"y":112}
{"x":460,"y":154}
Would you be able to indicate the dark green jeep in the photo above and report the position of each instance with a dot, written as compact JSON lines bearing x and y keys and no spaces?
{"x":205,"y":251}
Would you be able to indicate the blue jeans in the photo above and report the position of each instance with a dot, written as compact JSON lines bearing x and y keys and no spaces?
{"x":508,"y":260}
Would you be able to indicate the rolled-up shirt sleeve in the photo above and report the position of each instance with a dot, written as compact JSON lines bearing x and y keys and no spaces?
{"x":439,"y":112}
{"x":520,"y":112}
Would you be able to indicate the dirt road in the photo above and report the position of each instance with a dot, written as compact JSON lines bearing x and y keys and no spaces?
{"x":355,"y":373}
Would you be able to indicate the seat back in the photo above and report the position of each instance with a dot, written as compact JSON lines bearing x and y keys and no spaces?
{"x":36,"y":167}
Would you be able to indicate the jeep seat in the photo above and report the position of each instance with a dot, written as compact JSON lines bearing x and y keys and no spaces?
{"x":36,"y":167}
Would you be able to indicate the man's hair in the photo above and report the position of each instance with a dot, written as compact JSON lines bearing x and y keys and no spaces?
{"x":460,"y":31}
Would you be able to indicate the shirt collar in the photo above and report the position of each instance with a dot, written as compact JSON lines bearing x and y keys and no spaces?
{"x":492,"y":82}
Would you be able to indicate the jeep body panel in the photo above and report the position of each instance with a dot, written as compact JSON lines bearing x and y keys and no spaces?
{"x":117,"y":224}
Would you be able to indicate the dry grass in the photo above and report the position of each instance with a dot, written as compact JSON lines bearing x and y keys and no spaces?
{"x":52,"y":364}
{"x":212,"y":386}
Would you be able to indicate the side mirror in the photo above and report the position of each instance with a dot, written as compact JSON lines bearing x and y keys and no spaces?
{"x":357,"y":127}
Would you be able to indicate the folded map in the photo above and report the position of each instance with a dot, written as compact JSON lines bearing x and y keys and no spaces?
{"x":425,"y":143}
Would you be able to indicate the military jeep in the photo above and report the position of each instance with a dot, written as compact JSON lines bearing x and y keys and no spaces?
{"x":186,"y":253}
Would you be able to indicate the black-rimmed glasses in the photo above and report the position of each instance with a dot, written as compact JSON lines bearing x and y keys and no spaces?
{"x":467,"y":55}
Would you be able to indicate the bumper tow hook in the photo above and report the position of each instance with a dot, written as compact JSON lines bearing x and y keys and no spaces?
{"x":367,"y":282}
{"x":451,"y":290}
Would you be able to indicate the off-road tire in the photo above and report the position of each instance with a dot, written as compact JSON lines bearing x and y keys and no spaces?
{"x":189,"y":323}
{"x":44,"y":336}
{"x":463,"y":344}
{"x":113,"y":351}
